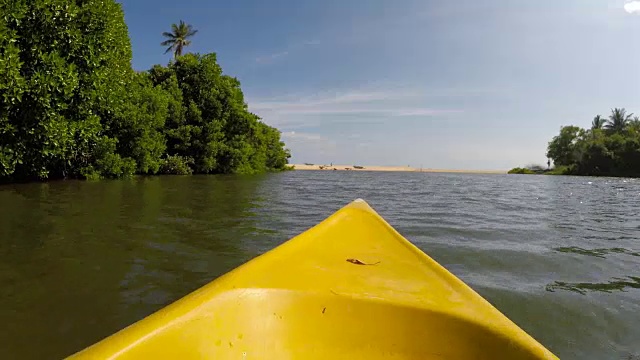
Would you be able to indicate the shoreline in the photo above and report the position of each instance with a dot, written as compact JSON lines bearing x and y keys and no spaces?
{"x":331,"y":167}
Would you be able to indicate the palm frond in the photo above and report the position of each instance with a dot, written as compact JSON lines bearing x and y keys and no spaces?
{"x":598,"y":122}
{"x":177,"y":38}
{"x":618,"y":120}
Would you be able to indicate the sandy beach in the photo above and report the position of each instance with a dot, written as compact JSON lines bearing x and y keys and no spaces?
{"x":330,"y":167}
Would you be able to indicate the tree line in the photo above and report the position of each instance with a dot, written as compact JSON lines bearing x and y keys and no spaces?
{"x":71,"y":105}
{"x":610,"y":147}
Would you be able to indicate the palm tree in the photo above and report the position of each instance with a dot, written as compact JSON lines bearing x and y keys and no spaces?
{"x":634,"y":124}
{"x":178,"y":38}
{"x":598,"y":122}
{"x":618,"y":120}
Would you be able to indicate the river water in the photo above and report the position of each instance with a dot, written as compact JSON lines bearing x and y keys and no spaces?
{"x":560,"y":256}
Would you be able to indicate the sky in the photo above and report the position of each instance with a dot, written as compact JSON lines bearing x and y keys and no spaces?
{"x":448,"y":84}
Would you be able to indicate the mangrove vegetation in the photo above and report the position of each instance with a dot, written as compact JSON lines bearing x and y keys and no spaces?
{"x":72,"y":106}
{"x":610,"y":147}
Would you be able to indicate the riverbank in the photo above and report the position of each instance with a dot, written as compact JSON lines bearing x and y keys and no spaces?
{"x":537,"y":170}
{"x":331,"y":167}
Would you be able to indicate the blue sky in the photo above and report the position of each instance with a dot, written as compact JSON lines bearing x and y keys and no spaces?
{"x":440,"y":84}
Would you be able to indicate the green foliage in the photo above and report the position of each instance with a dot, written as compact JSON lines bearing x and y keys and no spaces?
{"x":63,"y":65}
{"x":562,"y":148}
{"x":519,"y":170}
{"x":612,"y":151}
{"x":539,"y":170}
{"x":138,"y":124}
{"x":109,"y":164}
{"x":561,"y":170}
{"x":277,"y":155}
{"x":209,"y":121}
{"x":176,"y":165}
{"x":71,"y":106}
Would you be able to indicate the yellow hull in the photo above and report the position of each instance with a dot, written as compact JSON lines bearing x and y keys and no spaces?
{"x":349,"y":288}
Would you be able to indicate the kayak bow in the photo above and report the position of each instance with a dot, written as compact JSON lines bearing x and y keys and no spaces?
{"x":351,"y":287}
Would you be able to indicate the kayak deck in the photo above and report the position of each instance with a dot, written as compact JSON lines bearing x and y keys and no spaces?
{"x":350,"y":287}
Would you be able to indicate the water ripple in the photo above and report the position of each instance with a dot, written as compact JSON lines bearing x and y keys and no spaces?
{"x":558,"y":255}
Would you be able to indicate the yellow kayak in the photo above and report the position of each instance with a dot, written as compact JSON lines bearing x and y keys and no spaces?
{"x":349,"y":288}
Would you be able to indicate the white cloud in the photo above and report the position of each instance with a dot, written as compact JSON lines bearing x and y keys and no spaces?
{"x":343,"y":110}
{"x":632,"y":7}
{"x":423,"y":112}
{"x":302,"y":136}
{"x":358,"y":105}
{"x":270,"y":58}
{"x":267,"y":59}
{"x":309,"y":146}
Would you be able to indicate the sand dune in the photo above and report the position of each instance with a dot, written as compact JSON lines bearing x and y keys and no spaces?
{"x":388,"y":168}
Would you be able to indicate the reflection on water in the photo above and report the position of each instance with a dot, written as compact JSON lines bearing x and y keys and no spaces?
{"x":80,"y":260}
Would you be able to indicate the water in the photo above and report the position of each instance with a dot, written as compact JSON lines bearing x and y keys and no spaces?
{"x":79,"y":260}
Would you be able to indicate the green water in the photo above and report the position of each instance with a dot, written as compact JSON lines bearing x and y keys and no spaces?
{"x":79,"y":260}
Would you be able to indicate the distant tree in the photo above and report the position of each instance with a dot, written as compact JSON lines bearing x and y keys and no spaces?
{"x":598,"y":122}
{"x":618,"y":120}
{"x":612,"y":151}
{"x":562,"y":148}
{"x":178,"y":38}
